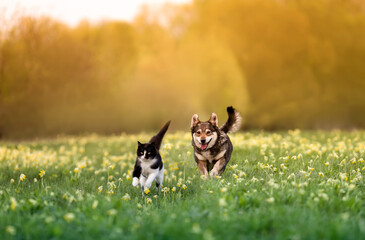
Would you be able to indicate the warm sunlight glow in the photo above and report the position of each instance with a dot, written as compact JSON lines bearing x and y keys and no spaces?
{"x":129,"y":65}
{"x":72,"y":12}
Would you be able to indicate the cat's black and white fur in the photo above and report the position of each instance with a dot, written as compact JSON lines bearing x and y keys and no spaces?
{"x":149,"y":166}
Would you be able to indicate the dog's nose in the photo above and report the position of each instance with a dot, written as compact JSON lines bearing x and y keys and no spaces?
{"x":202,"y":141}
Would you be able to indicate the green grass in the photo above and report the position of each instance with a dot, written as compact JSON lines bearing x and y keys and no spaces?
{"x":284,"y":185}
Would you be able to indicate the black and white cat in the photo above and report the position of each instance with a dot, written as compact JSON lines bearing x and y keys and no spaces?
{"x":149,"y":166}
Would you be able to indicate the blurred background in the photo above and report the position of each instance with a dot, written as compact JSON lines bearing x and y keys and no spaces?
{"x":282,"y":63}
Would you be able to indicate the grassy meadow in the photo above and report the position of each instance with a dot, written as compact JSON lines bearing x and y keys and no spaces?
{"x":282,"y":185}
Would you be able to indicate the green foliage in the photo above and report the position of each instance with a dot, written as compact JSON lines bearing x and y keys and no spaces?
{"x":284,"y":185}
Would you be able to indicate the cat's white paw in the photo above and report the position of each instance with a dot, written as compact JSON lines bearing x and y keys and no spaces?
{"x":135,"y":182}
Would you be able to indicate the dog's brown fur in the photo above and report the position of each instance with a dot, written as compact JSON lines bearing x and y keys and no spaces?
{"x":212,"y":146}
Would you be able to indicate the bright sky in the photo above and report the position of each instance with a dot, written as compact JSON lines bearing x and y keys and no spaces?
{"x":72,"y":11}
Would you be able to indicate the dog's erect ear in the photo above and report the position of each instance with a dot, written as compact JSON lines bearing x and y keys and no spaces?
{"x":194,"y":120}
{"x":213,"y":119}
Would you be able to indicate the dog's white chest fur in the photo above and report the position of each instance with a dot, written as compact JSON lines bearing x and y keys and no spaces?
{"x":207,"y":156}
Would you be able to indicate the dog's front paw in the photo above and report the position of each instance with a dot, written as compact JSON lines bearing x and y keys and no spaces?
{"x":135,"y":182}
{"x":213,"y":173}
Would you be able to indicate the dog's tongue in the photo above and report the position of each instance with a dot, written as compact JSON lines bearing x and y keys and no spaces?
{"x":203,"y":146}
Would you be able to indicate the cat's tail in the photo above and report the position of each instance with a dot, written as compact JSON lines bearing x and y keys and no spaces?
{"x":234,"y":121}
{"x":157,"y":139}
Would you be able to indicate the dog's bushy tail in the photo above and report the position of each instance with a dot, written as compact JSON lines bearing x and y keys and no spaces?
{"x":157,"y":139}
{"x":233,"y":123}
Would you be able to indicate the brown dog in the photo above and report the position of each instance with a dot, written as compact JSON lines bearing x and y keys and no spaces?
{"x":212,"y":146}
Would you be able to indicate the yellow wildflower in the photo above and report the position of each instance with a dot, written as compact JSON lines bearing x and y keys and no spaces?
{"x":10,"y":230}
{"x":222,"y":202}
{"x":234,"y":166}
{"x":95,"y":204}
{"x":81,"y":165}
{"x":13,"y":203}
{"x":168,"y":146}
{"x":351,"y":187}
{"x":126,"y":197}
{"x":41,"y":173}
{"x":147,"y":190}
{"x":343,"y":176}
{"x":112,"y":212}
{"x":69,"y":217}
{"x":148,"y":200}
{"x":22,"y":177}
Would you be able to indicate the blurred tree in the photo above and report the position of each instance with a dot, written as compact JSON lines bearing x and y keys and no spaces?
{"x":55,"y":80}
{"x":194,"y":73}
{"x":283,"y":64}
{"x":291,"y":54}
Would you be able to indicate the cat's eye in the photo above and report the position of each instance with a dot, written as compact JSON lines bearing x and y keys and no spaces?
{"x":141,"y":153}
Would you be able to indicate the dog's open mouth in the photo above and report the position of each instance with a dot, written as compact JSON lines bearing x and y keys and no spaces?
{"x":204,"y":146}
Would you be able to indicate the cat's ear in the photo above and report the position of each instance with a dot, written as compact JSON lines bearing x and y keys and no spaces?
{"x":139,"y":144}
{"x":194,"y":120}
{"x":213,"y":119}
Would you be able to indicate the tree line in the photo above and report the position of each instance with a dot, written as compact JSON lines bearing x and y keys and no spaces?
{"x":283,"y":64}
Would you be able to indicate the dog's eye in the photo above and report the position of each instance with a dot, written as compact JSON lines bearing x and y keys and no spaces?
{"x":209,"y":132}
{"x":198,"y":132}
